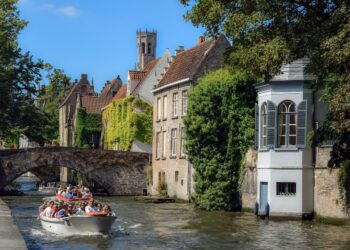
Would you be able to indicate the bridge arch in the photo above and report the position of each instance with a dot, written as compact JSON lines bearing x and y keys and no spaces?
{"x":119,"y":173}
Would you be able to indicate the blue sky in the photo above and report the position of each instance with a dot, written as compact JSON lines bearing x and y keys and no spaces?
{"x":98,"y":37}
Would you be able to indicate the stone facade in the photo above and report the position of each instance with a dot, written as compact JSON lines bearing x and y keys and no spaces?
{"x":170,"y":106}
{"x":249,"y":179}
{"x":119,"y":173}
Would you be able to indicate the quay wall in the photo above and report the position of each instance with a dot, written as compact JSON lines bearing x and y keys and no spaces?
{"x":10,"y":237}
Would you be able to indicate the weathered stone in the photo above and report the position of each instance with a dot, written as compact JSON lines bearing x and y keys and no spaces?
{"x":120,"y":173}
{"x":249,"y":179}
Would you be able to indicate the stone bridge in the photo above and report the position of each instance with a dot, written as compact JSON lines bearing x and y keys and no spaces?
{"x":119,"y":173}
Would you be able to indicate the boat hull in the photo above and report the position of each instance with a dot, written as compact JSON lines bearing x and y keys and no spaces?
{"x":78,"y":225}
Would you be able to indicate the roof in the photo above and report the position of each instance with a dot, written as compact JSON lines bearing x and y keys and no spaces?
{"x":148,"y":67}
{"x":121,"y":93}
{"x":74,"y":89}
{"x":186,"y":63}
{"x":94,"y":104}
{"x":113,"y":85}
{"x":294,"y":71}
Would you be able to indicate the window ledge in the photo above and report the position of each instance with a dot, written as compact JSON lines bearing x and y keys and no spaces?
{"x":157,"y":159}
{"x":158,"y":120}
{"x":286,"y":149}
{"x":175,"y":117}
{"x":182,"y":157}
{"x":164,"y":119}
{"x":172,"y":157}
{"x":163,"y":158}
{"x":183,"y":115}
{"x":286,"y":195}
{"x":264,"y":150}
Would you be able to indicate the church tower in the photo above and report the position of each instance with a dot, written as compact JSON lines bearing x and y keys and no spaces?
{"x":146,"y":47}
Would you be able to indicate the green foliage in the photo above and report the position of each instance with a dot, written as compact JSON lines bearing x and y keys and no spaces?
{"x":19,"y":76}
{"x":50,"y":99}
{"x":344,"y":183}
{"x":88,"y":129}
{"x":219,"y":130}
{"x":127,"y":120}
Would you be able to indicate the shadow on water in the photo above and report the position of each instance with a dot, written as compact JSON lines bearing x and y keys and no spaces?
{"x":180,"y":226}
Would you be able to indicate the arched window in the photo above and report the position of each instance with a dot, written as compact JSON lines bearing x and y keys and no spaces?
{"x":143,"y":48}
{"x":287,"y":124}
{"x":149,"y":49}
{"x":264,"y":125}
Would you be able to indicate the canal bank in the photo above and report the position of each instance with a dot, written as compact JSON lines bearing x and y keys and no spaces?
{"x":10,"y":237}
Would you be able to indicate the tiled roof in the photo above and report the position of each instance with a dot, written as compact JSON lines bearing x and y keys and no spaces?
{"x":94,"y":104}
{"x":186,"y":63}
{"x":149,"y":66}
{"x":121,"y":93}
{"x":111,"y":85}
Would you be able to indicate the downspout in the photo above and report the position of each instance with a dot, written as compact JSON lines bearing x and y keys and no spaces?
{"x":189,"y":170}
{"x":313,"y":152}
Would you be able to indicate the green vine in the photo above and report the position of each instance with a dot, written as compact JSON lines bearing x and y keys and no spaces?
{"x":344,"y":184}
{"x":126,"y":120}
{"x":88,"y":129}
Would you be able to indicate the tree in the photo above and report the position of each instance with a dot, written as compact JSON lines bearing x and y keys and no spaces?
{"x":50,"y":98}
{"x":266,"y":33}
{"x":219,"y":129}
{"x":19,"y":76}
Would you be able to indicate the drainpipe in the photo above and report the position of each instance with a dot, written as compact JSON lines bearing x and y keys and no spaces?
{"x":189,"y":170}
{"x":313,"y":148}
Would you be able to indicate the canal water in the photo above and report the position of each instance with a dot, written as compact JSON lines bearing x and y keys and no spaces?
{"x":179,"y":226}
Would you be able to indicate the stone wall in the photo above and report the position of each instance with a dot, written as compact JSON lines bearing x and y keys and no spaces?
{"x":326,"y":192}
{"x":249,"y":180}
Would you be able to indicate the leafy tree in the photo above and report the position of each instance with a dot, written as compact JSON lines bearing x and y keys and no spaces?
{"x":218,"y":132}
{"x":50,"y":99}
{"x":19,"y":76}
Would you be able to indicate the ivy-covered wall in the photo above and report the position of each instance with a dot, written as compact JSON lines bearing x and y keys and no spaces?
{"x":126,"y":120}
{"x":88,"y":129}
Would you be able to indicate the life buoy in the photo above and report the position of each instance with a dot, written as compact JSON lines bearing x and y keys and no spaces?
{"x":70,"y":200}
{"x":96,"y":214}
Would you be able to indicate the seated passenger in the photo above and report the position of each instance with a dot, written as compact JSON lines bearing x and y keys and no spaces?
{"x":81,"y":209}
{"x":48,"y":210}
{"x":107,"y":209}
{"x":54,"y":210}
{"x":90,"y":208}
{"x":99,"y":207}
{"x":62,"y":212}
{"x":70,"y":210}
{"x":43,"y":207}
{"x":69,"y":195}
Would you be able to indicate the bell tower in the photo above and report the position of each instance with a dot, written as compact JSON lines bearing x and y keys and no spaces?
{"x":146,"y":47}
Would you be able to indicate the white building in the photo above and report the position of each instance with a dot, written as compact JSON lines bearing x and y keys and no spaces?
{"x":284,"y":116}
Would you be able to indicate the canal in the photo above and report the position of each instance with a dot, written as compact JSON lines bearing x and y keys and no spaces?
{"x":179,"y":226}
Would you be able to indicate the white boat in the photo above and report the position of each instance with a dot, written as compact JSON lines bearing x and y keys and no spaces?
{"x":78,"y":224}
{"x":47,"y":190}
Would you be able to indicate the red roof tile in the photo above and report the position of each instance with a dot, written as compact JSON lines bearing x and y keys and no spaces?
{"x":120,"y":94}
{"x":186,"y":63}
{"x":94,"y":104}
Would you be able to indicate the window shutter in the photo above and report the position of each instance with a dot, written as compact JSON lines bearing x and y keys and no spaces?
{"x":256,"y":138}
{"x":271,"y":124}
{"x":301,"y":124}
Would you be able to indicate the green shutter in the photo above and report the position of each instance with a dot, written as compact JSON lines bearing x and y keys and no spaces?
{"x":301,"y":124}
{"x":271,"y":124}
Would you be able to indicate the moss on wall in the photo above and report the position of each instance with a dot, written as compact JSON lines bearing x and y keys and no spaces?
{"x":88,"y":129}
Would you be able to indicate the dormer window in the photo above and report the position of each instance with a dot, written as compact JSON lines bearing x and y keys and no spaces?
{"x":287,"y":124}
{"x":264,"y":125}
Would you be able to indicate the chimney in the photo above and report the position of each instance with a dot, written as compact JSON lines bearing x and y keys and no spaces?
{"x":84,"y":76}
{"x":180,"y":49}
{"x":201,"y":40}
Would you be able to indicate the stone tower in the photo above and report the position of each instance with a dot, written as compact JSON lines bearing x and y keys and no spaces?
{"x":146,"y":47}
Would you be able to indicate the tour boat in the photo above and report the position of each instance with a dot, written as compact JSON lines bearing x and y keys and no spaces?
{"x":47,"y":190}
{"x":62,"y":198}
{"x":78,"y":224}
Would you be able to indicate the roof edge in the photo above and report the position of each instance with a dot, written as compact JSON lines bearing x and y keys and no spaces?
{"x":171,"y":84}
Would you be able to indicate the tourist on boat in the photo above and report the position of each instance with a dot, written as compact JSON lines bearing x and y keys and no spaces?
{"x":62,"y":212}
{"x":69,"y":195}
{"x":48,"y":210}
{"x":54,"y":210}
{"x":99,"y":207}
{"x":70,"y":210}
{"x":43,"y":207}
{"x":107,"y":209}
{"x":81,"y":209}
{"x":90,"y":208}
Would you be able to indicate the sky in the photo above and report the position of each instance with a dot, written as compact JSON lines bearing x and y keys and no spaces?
{"x":98,"y":37}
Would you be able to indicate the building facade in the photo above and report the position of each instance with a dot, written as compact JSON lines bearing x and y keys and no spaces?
{"x":169,"y":163}
{"x":286,"y":111}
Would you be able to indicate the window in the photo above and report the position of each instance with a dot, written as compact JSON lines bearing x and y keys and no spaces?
{"x":264,"y":125}
{"x":175,"y":104}
{"x":184,"y":102}
{"x":165,"y":107}
{"x":164,"y":145}
{"x":286,"y":124}
{"x":173,"y":142}
{"x":182,"y":145}
{"x":158,"y":108}
{"x":158,"y":145}
{"x":149,"y":48}
{"x":143,"y":48}
{"x":286,"y":188}
{"x":176,"y":176}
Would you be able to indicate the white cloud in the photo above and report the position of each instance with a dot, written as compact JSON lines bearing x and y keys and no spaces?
{"x":67,"y":11}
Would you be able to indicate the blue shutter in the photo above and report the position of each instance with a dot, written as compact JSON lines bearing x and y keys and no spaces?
{"x":271,"y":124}
{"x":301,"y":124}
{"x":256,"y":138}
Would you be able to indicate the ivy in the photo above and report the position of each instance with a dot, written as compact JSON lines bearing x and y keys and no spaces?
{"x":125,"y":121}
{"x":88,"y":128}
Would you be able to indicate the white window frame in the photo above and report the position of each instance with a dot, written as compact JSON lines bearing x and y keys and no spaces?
{"x":175,"y":104}
{"x":287,"y":113}
{"x":158,"y":145}
{"x":173,"y":141}
{"x":184,"y":102}
{"x":158,"y":108}
{"x":165,"y":107}
{"x":164,"y":144}
{"x":182,"y":145}
{"x":264,"y":125}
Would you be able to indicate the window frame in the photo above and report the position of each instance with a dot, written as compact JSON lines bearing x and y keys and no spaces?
{"x":175,"y":105}
{"x":165,"y":107}
{"x":159,"y":111}
{"x":164,"y":137}
{"x":182,"y":142}
{"x":291,"y":188}
{"x":263,"y":127}
{"x":158,"y":145}
{"x":286,"y":124}
{"x":173,"y":142}
{"x":184,"y":102}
